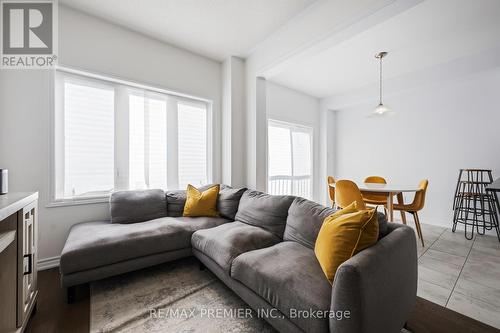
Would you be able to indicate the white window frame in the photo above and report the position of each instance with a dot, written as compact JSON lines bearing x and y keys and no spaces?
{"x":293,"y":127}
{"x":122,"y":89}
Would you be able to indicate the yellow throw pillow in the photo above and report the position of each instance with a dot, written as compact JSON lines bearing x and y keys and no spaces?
{"x":342,"y":235}
{"x":352,"y":208}
{"x":201,"y":203}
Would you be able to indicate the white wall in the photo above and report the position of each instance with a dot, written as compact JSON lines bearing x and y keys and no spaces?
{"x":327,"y":151}
{"x":91,"y":44}
{"x":438,"y":129}
{"x":298,"y":108}
{"x":233,"y":122}
{"x":321,"y":25}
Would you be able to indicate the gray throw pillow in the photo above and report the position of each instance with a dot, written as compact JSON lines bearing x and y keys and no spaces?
{"x":228,"y":201}
{"x":137,"y":206}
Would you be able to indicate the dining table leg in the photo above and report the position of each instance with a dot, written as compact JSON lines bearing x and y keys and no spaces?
{"x":399,"y":196}
{"x":390,"y":207}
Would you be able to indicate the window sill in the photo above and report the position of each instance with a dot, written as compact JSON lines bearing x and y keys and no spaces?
{"x":77,"y":202}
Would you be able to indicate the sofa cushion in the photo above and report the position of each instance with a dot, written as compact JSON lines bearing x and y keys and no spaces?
{"x":228,"y":201}
{"x":137,"y":206}
{"x":288,"y":276}
{"x":264,"y":210}
{"x":225,"y":242}
{"x":94,"y":244}
{"x":304,"y":220}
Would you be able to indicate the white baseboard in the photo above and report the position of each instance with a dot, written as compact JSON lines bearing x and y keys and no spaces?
{"x":48,"y":263}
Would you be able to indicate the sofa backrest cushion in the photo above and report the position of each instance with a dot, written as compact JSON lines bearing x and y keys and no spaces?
{"x":304,"y":220}
{"x":175,"y":202}
{"x":264,"y":210}
{"x":137,"y":206}
{"x":383,"y":227}
{"x":228,"y":201}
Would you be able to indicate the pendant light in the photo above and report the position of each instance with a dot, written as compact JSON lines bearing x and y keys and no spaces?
{"x":381,"y":109}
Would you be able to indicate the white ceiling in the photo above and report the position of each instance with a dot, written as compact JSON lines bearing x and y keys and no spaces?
{"x":213,"y":28}
{"x":431,"y":33}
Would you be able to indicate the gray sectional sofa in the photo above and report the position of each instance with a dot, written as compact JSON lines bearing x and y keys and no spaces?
{"x":262,"y":248}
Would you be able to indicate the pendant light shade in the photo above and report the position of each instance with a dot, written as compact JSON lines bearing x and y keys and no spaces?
{"x":381,"y":109}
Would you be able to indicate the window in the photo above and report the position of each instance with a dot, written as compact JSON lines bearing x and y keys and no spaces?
{"x":114,"y":135}
{"x":289,"y":159}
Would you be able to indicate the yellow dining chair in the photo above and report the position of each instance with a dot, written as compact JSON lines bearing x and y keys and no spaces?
{"x":331,"y":190}
{"x":414,"y":207}
{"x":375,"y":199}
{"x":381,"y":199}
{"x":346,"y":192}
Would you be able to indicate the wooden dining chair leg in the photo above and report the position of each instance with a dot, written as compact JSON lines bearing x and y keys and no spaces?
{"x":416,"y":228}
{"x":403,"y":216}
{"x":419,"y":229}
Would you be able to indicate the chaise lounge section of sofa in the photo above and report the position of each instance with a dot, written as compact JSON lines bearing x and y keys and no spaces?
{"x":146,"y":229}
{"x":262,"y":248}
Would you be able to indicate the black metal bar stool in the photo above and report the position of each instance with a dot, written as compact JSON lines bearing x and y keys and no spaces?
{"x":493,"y":190}
{"x":473,"y":205}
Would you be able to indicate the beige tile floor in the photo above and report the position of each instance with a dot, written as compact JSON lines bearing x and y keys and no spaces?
{"x":461,"y":274}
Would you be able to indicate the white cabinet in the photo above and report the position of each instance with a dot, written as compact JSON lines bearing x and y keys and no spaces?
{"x":18,"y":257}
{"x":27,"y":256}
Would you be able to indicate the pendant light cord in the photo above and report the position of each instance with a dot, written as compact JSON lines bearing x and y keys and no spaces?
{"x":380,"y":100}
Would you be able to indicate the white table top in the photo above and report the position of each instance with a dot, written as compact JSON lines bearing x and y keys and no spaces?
{"x":393,"y":188}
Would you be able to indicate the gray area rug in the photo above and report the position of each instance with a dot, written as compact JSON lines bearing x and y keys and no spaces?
{"x":174,"y":297}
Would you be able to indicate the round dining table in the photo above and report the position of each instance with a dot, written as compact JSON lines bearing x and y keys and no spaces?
{"x":389,"y":190}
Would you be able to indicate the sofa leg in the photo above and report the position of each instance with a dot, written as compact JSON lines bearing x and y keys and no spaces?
{"x":71,"y":293}
{"x":202,"y":266}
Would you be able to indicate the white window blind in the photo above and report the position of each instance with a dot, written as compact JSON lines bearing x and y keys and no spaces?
{"x":88,"y":139}
{"x":280,"y":151}
{"x":147,"y":142}
{"x":157,"y":143}
{"x":111,"y":135}
{"x":192,"y":145}
{"x":289,"y":159}
{"x":136,"y":169}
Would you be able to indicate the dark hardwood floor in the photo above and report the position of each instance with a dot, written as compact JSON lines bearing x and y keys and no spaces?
{"x":54,"y":315}
{"x":429,"y":317}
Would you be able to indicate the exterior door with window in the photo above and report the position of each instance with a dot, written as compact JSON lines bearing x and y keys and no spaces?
{"x":289,"y":159}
